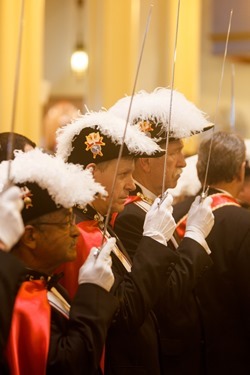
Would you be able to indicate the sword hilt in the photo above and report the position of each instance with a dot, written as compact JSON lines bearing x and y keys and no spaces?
{"x":204,"y":194}
{"x":163,"y":197}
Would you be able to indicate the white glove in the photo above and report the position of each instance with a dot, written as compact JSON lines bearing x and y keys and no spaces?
{"x":159,"y":223}
{"x":97,"y":267}
{"x":200,"y":221}
{"x":11,"y":223}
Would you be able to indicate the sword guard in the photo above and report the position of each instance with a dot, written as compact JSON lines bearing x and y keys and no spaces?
{"x":96,"y":253}
{"x":98,"y":250}
{"x":162,"y":198}
{"x":204,"y":195}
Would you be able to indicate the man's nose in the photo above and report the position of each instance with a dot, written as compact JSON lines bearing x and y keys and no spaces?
{"x":182,"y":161}
{"x":74,"y":231}
{"x":131,"y":185}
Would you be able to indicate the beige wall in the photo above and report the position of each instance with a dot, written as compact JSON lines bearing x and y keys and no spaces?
{"x":113,"y":32}
{"x":211,"y":68}
{"x":158,"y":55}
{"x":27,"y":112}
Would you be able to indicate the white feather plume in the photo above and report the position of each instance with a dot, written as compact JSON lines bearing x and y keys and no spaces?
{"x":67,"y":184}
{"x":186,"y":118}
{"x":111,"y":126}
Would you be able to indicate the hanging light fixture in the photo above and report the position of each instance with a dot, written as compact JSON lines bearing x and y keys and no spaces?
{"x":79,"y":59}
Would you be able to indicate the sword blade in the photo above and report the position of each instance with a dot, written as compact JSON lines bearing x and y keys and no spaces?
{"x":232,"y":109}
{"x":204,"y":190}
{"x":15,"y":92}
{"x":126,"y":125}
{"x":164,"y":193}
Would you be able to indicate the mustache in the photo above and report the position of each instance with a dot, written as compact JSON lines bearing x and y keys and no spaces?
{"x":178,"y":171}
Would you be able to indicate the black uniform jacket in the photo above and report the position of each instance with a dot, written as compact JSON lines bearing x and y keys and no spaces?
{"x":224,"y":292}
{"x":176,"y":312}
{"x":77,"y":341}
{"x":132,"y":346}
{"x":76,"y":345}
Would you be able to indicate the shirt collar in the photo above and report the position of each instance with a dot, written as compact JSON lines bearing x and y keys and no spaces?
{"x":145,"y":191}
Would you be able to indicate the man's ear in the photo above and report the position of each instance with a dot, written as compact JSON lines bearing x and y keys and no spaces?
{"x":29,"y":238}
{"x":145,"y":164}
{"x":91,"y":167}
{"x":240,"y":176}
{"x":243,"y":171}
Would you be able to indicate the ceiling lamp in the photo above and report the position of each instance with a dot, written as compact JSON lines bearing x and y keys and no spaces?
{"x":79,"y":59}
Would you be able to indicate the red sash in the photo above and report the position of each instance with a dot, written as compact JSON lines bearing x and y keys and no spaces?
{"x":28,"y":343}
{"x":90,"y":235}
{"x":219,"y":200}
{"x":130,"y":199}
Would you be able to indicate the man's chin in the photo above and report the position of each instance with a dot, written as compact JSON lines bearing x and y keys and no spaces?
{"x":118,"y":208}
{"x":71,"y":256}
{"x":173,"y":184}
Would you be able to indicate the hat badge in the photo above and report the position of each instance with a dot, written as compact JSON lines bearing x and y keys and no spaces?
{"x":26,"y":197}
{"x":94,"y":143}
{"x":146,"y":127}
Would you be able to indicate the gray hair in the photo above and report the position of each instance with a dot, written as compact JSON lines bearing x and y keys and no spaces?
{"x":228,"y":152}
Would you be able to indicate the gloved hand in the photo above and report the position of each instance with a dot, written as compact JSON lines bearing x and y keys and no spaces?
{"x":159,"y":223}
{"x":200,"y":221}
{"x":97,"y":267}
{"x":11,"y":223}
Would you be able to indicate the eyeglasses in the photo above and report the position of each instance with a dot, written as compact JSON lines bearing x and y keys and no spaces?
{"x":69,"y":223}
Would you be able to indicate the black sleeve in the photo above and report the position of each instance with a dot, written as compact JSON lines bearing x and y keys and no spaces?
{"x":139,"y":290}
{"x":193,"y":263}
{"x":129,"y":227}
{"x":193,"y":260}
{"x":240,"y":274}
{"x":11,"y":274}
{"x":76,"y":346}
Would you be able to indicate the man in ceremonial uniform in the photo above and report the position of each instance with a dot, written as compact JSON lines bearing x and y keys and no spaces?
{"x":95,"y":141}
{"x":224,"y":292}
{"x":176,"y":312}
{"x":47,"y":334}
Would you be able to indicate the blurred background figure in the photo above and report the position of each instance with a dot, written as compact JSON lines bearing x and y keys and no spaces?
{"x":61,"y":113}
{"x":20,"y":142}
{"x":188,"y":183}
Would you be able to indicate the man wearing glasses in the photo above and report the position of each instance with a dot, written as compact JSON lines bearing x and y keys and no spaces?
{"x":48,"y":334}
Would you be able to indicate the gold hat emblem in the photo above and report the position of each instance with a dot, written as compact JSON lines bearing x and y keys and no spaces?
{"x":94,"y":144}
{"x":26,"y":197}
{"x":145,"y":127}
